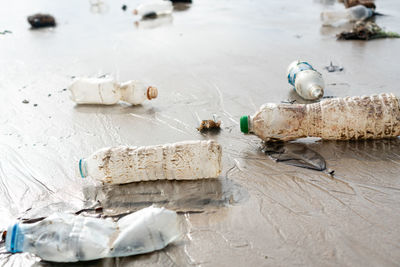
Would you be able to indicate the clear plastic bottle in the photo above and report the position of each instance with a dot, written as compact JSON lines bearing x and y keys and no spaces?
{"x":187,"y":160}
{"x":307,"y":82}
{"x":159,"y":7}
{"x":350,"y":118}
{"x":354,"y":13}
{"x":65,"y":237}
{"x":108,"y":92}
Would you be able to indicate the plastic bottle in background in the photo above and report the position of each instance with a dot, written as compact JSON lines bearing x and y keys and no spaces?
{"x":64,"y":237}
{"x":187,"y":160}
{"x":307,"y":82}
{"x":354,"y":13}
{"x":350,"y":118}
{"x":159,"y":7}
{"x":108,"y":92}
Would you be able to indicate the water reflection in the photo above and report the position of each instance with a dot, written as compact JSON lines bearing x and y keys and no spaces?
{"x":295,"y":154}
{"x":182,"y":196}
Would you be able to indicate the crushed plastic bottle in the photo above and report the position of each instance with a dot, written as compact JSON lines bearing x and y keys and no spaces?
{"x":65,"y":237}
{"x":187,"y":160}
{"x":354,"y":13}
{"x":350,"y":118}
{"x":108,"y":92}
{"x":159,"y":7}
{"x":307,"y":82}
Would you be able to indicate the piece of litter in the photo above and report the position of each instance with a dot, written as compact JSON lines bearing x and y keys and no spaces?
{"x":107,"y":91}
{"x":209,"y":125}
{"x":25,"y":101}
{"x":284,"y":122}
{"x":189,"y":160}
{"x":295,"y":154}
{"x":333,"y":68}
{"x":64,"y":237}
{"x":307,"y":82}
{"x":366,"y":30}
{"x":366,"y":3}
{"x":41,"y":20}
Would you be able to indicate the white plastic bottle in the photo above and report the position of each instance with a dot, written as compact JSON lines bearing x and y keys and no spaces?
{"x":64,"y":237}
{"x":158,"y":7}
{"x":187,"y":160}
{"x":354,"y":13}
{"x":350,"y":118}
{"x":307,"y":82}
{"x":108,"y":92}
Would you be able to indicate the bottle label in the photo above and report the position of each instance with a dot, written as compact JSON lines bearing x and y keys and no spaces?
{"x":296,"y":69}
{"x":14,"y":239}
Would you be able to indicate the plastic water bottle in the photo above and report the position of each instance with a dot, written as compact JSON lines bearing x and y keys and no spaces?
{"x":350,"y":118}
{"x":158,"y":8}
{"x":187,"y":160}
{"x":65,"y":237}
{"x":354,"y":13}
{"x":108,"y":92}
{"x":307,"y":82}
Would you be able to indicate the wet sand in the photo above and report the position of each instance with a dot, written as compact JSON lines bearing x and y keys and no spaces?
{"x":216,"y":57}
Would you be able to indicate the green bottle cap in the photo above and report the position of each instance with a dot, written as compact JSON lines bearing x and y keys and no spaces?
{"x":244,"y":124}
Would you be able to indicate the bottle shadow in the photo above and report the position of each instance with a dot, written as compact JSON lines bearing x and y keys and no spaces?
{"x":181,"y":196}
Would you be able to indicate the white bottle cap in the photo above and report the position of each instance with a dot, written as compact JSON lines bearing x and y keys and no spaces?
{"x":316,"y":91}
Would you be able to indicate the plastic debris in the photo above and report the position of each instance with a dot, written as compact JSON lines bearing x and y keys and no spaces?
{"x":41,"y":20}
{"x":366,"y":30}
{"x":5,"y":32}
{"x":350,"y":118}
{"x":307,"y":82}
{"x":366,"y":3}
{"x":108,"y":92}
{"x":295,"y":154}
{"x":65,"y":237}
{"x":351,"y":14}
{"x":209,"y":125}
{"x":333,"y":68}
{"x":187,"y":160}
{"x":154,"y":9}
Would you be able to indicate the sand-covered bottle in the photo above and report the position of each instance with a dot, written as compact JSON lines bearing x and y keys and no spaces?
{"x":186,"y":160}
{"x":107,"y":91}
{"x":349,"y":118}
